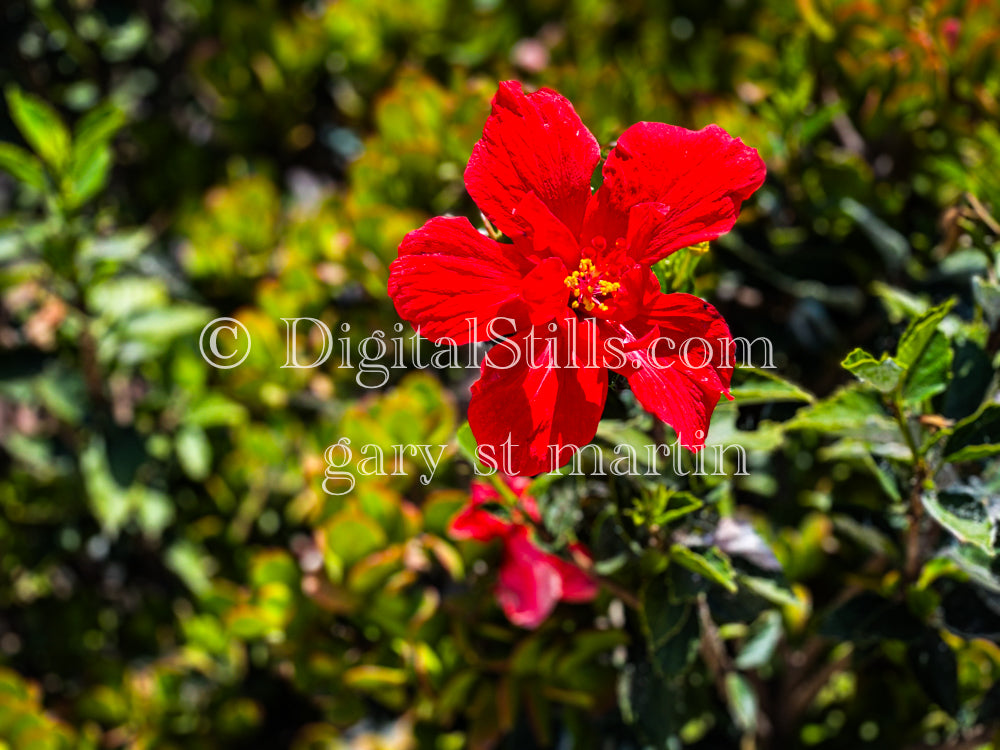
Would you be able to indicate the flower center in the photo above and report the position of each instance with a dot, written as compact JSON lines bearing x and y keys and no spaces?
{"x":590,"y":285}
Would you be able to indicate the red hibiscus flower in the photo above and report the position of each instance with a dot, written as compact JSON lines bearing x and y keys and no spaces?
{"x":576,"y":275}
{"x":532,"y":581}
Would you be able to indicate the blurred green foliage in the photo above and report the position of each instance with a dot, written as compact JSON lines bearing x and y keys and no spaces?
{"x":172,"y":573}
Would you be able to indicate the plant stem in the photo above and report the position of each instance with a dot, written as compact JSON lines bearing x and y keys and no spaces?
{"x":914,"y":535}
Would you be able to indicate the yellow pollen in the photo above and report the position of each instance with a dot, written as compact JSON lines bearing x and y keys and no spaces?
{"x":588,"y":288}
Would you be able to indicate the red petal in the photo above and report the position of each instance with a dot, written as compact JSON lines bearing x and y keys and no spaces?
{"x":680,"y":375}
{"x":472,"y":522}
{"x":532,"y":142}
{"x":521,"y":410}
{"x":544,"y":292}
{"x":529,"y":505}
{"x":543,"y":234}
{"x":529,"y":586}
{"x":666,"y":187}
{"x":483,"y":492}
{"x":445,"y":256}
{"x":519,"y":485}
{"x":686,"y":317}
{"x":577,"y":584}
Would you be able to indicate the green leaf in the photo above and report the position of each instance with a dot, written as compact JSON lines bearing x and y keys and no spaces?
{"x":860,"y":452}
{"x":899,"y":303}
{"x":678,"y":505}
{"x":932,"y":371}
{"x":770,"y":590}
{"x":866,"y":535}
{"x":98,"y":127}
{"x":120,"y":247}
{"x":670,"y":627}
{"x":982,"y":568}
{"x":763,"y":640}
{"x":543,"y":482}
{"x":616,"y":432}
{"x":214,"y":409}
{"x":467,"y":446}
{"x":972,"y":373}
{"x":713,"y":565}
{"x":919,"y":333}
{"x":975,"y":437}
{"x":657,"y":707}
{"x":87,"y":174}
{"x":849,"y":409}
{"x":742,"y":701}
{"x":108,"y":501}
{"x":373,"y":678}
{"x":41,"y":127}
{"x":987,"y":294}
{"x":194,"y":452}
{"x":153,"y":510}
{"x":63,"y":392}
{"x":121,"y":298}
{"x":350,"y":536}
{"x":161,"y":326}
{"x":22,"y":166}
{"x":658,"y":506}
{"x":964,"y":515}
{"x":883,"y":374}
{"x":764,"y":387}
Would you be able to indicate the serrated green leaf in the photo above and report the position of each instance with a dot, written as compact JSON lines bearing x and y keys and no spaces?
{"x":883,"y":374}
{"x":964,"y":515}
